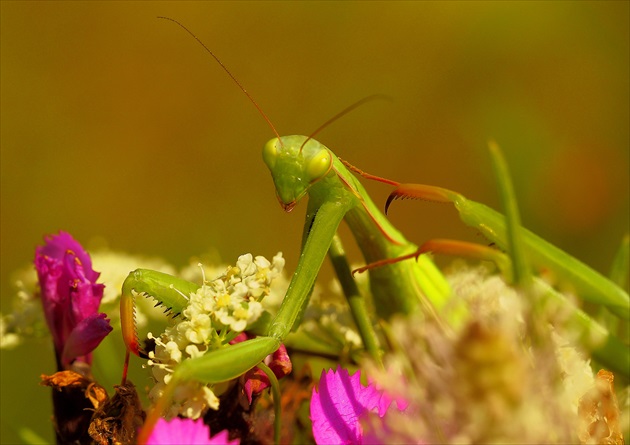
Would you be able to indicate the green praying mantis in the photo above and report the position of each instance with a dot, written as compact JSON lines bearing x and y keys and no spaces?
{"x":300,"y":166}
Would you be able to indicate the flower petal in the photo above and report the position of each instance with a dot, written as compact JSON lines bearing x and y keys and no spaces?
{"x":222,"y":438}
{"x":337,"y":406}
{"x":57,"y":245}
{"x":186,"y":431}
{"x":70,"y":297}
{"x":85,"y":337}
{"x":49,"y":271}
{"x":85,"y":295}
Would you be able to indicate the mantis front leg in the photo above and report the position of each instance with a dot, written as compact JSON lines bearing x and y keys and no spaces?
{"x":208,"y":319}
{"x":320,"y":228}
{"x":230,"y":362}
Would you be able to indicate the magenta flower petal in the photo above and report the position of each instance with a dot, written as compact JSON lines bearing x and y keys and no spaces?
{"x":70,"y":295}
{"x":338,"y":405}
{"x":57,"y":245}
{"x":88,"y":294}
{"x":85,"y":337}
{"x":186,"y":431}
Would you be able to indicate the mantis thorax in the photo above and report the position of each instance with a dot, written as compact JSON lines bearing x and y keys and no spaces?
{"x":296,"y":163}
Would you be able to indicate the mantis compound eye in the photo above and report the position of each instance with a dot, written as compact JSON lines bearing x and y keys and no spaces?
{"x":270,"y":153}
{"x":318,"y":166}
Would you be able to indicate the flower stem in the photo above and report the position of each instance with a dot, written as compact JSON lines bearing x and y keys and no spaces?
{"x":275,"y":392}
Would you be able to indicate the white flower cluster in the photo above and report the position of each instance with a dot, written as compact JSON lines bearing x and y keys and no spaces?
{"x":215,"y":313}
{"x":26,"y":319}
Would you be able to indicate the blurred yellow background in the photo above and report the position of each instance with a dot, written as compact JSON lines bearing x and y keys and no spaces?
{"x":117,"y":126}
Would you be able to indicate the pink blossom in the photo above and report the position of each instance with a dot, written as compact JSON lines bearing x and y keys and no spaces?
{"x":338,"y":405}
{"x":187,"y":431}
{"x":70,"y":298}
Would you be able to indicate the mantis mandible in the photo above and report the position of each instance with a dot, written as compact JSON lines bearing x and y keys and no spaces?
{"x":300,"y":166}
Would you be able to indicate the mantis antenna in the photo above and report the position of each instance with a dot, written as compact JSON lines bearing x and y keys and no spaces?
{"x":262,"y":113}
{"x":342,"y":113}
{"x":229,"y":74}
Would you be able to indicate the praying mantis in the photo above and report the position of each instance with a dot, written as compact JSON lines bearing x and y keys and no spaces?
{"x":301,"y":166}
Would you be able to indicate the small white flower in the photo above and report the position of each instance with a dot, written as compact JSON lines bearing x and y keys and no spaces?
{"x":193,"y":351}
{"x":262,"y":262}
{"x":246,"y":265}
{"x":199,"y":328}
{"x":174,"y":352}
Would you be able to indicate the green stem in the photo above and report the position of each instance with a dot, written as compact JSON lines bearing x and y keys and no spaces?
{"x":521,"y":272}
{"x":275,"y":392}
{"x":521,"y":269}
{"x":619,"y":270}
{"x":618,"y":275}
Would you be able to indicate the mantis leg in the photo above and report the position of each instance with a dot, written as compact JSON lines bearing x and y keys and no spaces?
{"x":589,"y":284}
{"x":355,"y":299}
{"x":320,"y":235}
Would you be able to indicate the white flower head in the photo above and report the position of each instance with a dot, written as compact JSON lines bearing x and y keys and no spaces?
{"x":218,"y":310}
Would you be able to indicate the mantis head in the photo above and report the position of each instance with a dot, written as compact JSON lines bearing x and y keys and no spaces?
{"x":296,"y":163}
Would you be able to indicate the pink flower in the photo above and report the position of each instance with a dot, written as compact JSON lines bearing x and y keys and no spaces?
{"x":70,"y":298}
{"x":255,"y":379}
{"x":187,"y":431}
{"x":338,"y":405}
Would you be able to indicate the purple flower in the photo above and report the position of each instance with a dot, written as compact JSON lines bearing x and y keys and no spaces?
{"x":193,"y":432}
{"x":70,"y":297}
{"x":339,"y":404}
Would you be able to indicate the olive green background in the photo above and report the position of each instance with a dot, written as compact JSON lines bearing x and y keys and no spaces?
{"x":116,"y":126}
